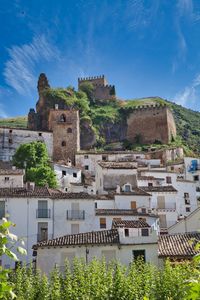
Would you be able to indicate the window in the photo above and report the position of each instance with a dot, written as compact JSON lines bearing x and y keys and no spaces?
{"x":104,"y":157}
{"x":85,"y":156}
{"x":143,"y":210}
{"x":65,"y":189}
{"x":126,"y":232}
{"x":74,"y":228}
{"x":95,"y":205}
{"x":42,"y":231}
{"x":127,"y":188}
{"x":196,"y":178}
{"x":62,"y":118}
{"x":7,"y":178}
{"x":187,"y":201}
{"x":133,"y":204}
{"x":86,"y":167}
{"x":2,"y":209}
{"x":40,"y":133}
{"x":75,"y":175}
{"x":102,"y":222}
{"x":186,"y":195}
{"x":64,"y":173}
{"x":63,"y":144}
{"x":168,"y":179}
{"x":10,"y":141}
{"x":69,"y":130}
{"x":187,"y":209}
{"x":139,"y":254}
{"x":150,"y":184}
{"x":43,"y":211}
{"x":145,"y":232}
{"x":10,"y":130}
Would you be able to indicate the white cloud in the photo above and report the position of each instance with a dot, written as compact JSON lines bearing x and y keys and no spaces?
{"x":19,"y":70}
{"x":3,"y":114}
{"x":189,"y":94}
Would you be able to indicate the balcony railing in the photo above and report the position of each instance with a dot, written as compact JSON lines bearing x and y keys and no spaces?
{"x":44,"y":237}
{"x":43,"y":213}
{"x":2,"y":214}
{"x":75,"y":215}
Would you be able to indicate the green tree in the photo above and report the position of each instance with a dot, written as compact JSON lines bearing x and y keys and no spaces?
{"x":88,"y":88}
{"x":34,"y":158}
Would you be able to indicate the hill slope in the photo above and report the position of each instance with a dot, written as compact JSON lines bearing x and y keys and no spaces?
{"x":187,"y":121}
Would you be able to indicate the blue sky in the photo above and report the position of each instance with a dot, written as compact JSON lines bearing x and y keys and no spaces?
{"x":145,"y":48}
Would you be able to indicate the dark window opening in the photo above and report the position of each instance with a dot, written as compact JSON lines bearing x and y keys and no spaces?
{"x":62,"y":118}
{"x":104,"y":158}
{"x":150,"y":184}
{"x":168,"y":179}
{"x":126,"y":232}
{"x":86,"y":156}
{"x":69,"y":130}
{"x":139,"y":254}
{"x":75,"y":175}
{"x":40,"y":133}
{"x":95,"y":204}
{"x":145,"y":232}
{"x":187,"y":209}
{"x":196,"y":178}
{"x":86,"y":167}
{"x":10,"y":130}
{"x":64,"y":173}
{"x":65,"y":189}
{"x":10,"y":141}
{"x":6,"y":178}
{"x":63,"y":144}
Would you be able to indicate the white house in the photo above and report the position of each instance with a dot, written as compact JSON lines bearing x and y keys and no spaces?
{"x":66,"y":176}
{"x":10,"y":178}
{"x":44,"y":213}
{"x":191,"y":223}
{"x":124,"y":242}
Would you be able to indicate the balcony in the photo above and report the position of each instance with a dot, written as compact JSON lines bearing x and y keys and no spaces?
{"x":44,"y":237}
{"x":43,"y":213}
{"x":2,"y":214}
{"x":75,"y":215}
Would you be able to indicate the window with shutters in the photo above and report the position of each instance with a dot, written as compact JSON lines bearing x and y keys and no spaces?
{"x":168,"y":179}
{"x":2,"y":209}
{"x":102,"y":223}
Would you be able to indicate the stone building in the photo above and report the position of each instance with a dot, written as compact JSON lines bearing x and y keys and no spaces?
{"x":148,"y":124}
{"x":102,"y":90}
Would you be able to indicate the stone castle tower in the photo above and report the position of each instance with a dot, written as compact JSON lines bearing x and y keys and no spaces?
{"x":56,"y":118}
{"x":102,"y":90}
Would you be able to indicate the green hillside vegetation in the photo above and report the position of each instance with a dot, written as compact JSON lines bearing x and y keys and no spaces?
{"x":101,"y":112}
{"x":19,"y":122}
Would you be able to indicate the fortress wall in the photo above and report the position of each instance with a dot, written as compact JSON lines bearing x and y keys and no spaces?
{"x":171,"y":125}
{"x":12,"y":138}
{"x":102,"y":92}
{"x":149,"y":124}
{"x":97,"y":80}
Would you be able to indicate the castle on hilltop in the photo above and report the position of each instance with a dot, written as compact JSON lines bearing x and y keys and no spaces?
{"x":102,"y":90}
{"x":58,"y":125}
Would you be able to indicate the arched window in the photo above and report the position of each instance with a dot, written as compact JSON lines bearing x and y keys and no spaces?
{"x":62,"y":118}
{"x":69,"y":130}
{"x":63,"y":144}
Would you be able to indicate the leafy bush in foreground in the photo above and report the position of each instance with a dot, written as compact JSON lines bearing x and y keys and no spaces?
{"x":100,"y":281}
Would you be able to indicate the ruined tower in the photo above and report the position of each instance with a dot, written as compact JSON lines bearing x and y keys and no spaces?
{"x":102,"y":90}
{"x":66,"y":135}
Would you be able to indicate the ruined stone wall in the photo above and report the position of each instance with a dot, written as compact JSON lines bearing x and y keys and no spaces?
{"x":12,"y":138}
{"x":149,"y":124}
{"x":66,"y":135}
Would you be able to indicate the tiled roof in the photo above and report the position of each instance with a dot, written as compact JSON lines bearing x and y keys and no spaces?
{"x":167,"y":188}
{"x":117,"y":165}
{"x":136,"y":192}
{"x":87,"y":238}
{"x":122,"y":212}
{"x":149,"y":178}
{"x":11,"y":172}
{"x":43,"y":192}
{"x":178,"y":245}
{"x":130,"y":224}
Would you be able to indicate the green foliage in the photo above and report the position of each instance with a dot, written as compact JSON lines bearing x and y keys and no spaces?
{"x":7,"y":242}
{"x":20,"y":122}
{"x":100,"y":281}
{"x":88,"y":89}
{"x":34,"y":158}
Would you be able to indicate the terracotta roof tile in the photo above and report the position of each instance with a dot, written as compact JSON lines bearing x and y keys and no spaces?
{"x":121,"y":212}
{"x":117,"y":165}
{"x":167,"y":188}
{"x":87,"y":238}
{"x":130,"y":224}
{"x":178,"y":245}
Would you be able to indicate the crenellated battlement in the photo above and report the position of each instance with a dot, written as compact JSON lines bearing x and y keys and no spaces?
{"x":149,"y":107}
{"x":90,"y":78}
